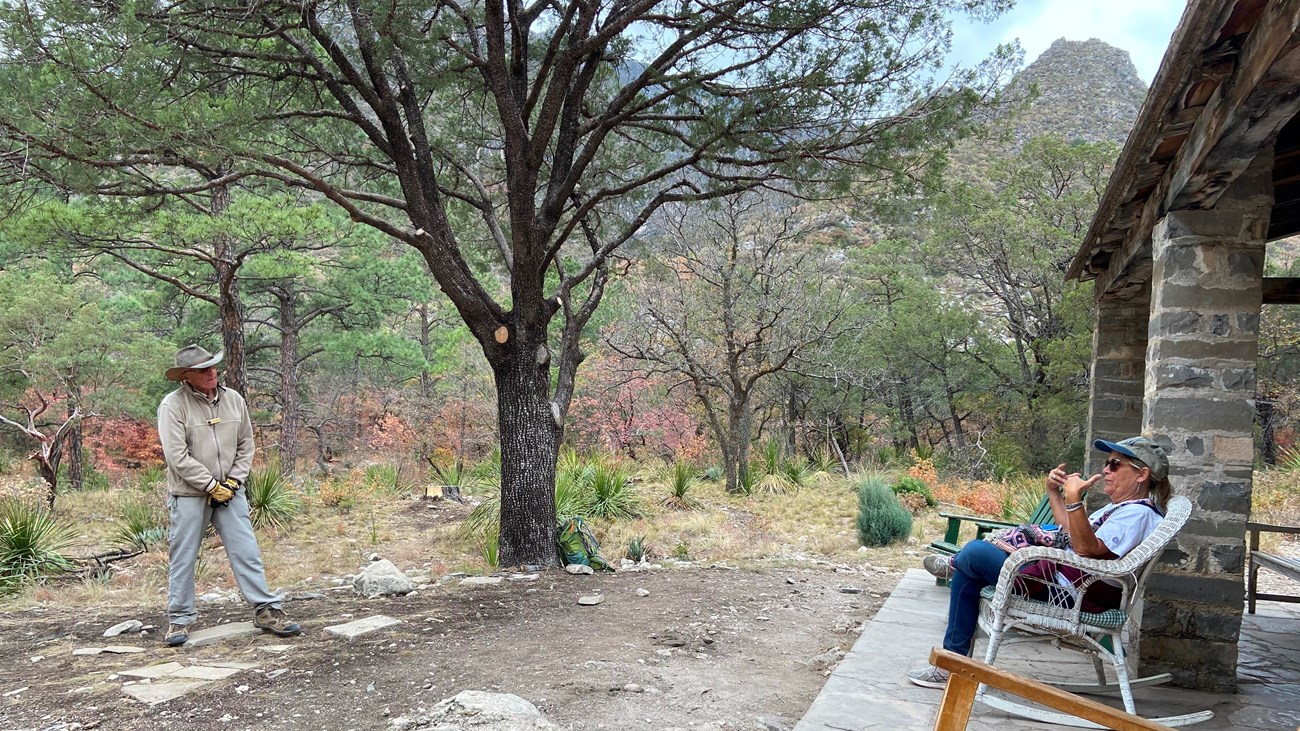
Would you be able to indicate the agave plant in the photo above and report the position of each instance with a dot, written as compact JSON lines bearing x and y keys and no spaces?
{"x":272,"y":501}
{"x":32,"y":543}
{"x":637,"y":549}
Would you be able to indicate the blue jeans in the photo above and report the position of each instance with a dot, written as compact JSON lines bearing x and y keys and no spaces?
{"x":977,"y":565}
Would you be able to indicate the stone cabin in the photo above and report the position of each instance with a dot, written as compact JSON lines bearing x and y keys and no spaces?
{"x":1209,"y":176}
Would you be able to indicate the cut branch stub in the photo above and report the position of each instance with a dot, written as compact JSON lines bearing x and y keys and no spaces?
{"x":502,"y":334}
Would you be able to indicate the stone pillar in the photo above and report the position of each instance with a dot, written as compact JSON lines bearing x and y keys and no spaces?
{"x":1119,"y":352}
{"x":1200,"y":391}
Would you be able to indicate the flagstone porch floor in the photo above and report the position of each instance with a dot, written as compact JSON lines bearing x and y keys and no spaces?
{"x":869,"y":690}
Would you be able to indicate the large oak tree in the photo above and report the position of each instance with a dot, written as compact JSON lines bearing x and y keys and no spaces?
{"x":549,"y":132}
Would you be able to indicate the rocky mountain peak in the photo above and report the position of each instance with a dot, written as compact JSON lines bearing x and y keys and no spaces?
{"x":1088,"y":91}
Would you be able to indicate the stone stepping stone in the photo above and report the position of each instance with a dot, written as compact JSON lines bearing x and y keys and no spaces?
{"x":133,"y":625}
{"x":155,"y":693}
{"x":212,"y":671}
{"x":220,"y":633}
{"x":152,"y":671}
{"x":591,"y":601}
{"x":481,"y":581}
{"x":112,"y":649}
{"x":360,"y":627}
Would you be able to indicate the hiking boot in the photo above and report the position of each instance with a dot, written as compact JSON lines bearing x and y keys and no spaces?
{"x":273,"y":619}
{"x":177,"y":634}
{"x":939,"y":566}
{"x":930,"y":677}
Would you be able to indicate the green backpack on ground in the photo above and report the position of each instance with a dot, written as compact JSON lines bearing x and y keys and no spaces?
{"x":577,"y":544}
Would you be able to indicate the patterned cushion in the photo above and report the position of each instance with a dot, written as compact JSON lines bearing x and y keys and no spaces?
{"x":1109,"y":619}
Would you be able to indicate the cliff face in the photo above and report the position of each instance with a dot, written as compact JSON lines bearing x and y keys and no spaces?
{"x":1088,"y":91}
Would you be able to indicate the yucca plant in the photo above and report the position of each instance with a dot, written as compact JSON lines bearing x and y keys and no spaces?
{"x":612,"y":494}
{"x":772,"y":478}
{"x":573,"y":494}
{"x":32,"y":543}
{"x":491,"y":548}
{"x":681,"y":478}
{"x":272,"y":501}
{"x":151,"y":477}
{"x":142,"y":525}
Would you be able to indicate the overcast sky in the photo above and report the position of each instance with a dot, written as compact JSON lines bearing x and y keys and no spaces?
{"x":1141,"y":27}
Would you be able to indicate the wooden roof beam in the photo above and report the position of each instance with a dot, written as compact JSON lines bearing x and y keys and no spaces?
{"x":1243,"y":114}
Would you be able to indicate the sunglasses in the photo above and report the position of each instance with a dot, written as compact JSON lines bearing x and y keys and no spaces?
{"x":1114,"y":464}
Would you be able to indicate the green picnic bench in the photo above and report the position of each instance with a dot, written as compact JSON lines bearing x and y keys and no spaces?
{"x":951,"y":541}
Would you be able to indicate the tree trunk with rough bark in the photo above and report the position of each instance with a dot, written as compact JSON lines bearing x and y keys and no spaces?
{"x":530,"y":427}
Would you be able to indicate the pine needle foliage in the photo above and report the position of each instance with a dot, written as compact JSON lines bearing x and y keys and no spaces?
{"x":882,"y":519}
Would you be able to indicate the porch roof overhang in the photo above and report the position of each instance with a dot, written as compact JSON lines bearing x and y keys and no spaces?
{"x":1227,"y":87}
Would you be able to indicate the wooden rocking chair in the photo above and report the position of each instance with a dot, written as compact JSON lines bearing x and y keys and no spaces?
{"x":1060,"y":619}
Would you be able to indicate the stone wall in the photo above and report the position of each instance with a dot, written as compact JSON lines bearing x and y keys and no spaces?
{"x":1119,"y":353}
{"x":1199,"y":403}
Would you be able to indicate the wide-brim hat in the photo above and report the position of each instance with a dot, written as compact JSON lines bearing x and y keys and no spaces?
{"x":192,"y":357}
{"x":1141,"y":449}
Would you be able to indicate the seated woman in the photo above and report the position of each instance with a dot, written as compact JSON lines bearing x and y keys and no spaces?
{"x":1137,"y":483}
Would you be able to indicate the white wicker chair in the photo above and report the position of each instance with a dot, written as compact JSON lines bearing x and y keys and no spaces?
{"x":1060,"y":619}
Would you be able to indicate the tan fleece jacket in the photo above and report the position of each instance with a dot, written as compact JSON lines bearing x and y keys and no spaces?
{"x":204,"y":442}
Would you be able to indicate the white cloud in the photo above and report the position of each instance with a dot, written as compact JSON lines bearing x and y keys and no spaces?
{"x":1141,"y":27}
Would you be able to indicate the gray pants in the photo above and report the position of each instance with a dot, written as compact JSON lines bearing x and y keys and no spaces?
{"x":189,"y":517}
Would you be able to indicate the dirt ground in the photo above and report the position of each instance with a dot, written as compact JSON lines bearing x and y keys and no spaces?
{"x":708,"y":647}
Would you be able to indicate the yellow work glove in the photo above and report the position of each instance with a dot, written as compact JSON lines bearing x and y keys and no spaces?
{"x":220,"y":494}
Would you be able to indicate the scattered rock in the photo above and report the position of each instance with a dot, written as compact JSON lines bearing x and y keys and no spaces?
{"x":632,"y":688}
{"x":643,"y":592}
{"x":591,"y":601}
{"x":474,"y":709}
{"x":276,"y":673}
{"x":209,"y":635}
{"x":579,"y":569}
{"x":827,"y":660}
{"x":131,"y":625}
{"x":850,"y":590}
{"x":382,"y":578}
{"x":16,"y":691}
{"x":36,"y":658}
{"x":112,"y":649}
{"x":480,"y":581}
{"x":362,"y":626}
{"x":155,"y":693}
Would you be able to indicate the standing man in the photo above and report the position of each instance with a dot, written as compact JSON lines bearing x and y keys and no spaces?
{"x":207,"y":441}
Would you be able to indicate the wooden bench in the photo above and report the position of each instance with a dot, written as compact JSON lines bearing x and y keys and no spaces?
{"x":951,"y":542}
{"x":1288,"y":567}
{"x":967,"y":674}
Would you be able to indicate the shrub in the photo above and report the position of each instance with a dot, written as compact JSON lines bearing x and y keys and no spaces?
{"x":143,"y":524}
{"x":913,"y":486}
{"x":339,"y":493}
{"x":32,"y":541}
{"x":272,"y":501}
{"x":713,"y":473}
{"x":386,"y":478}
{"x":882,"y":520}
{"x":914,"y":503}
{"x":680,"y":480}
